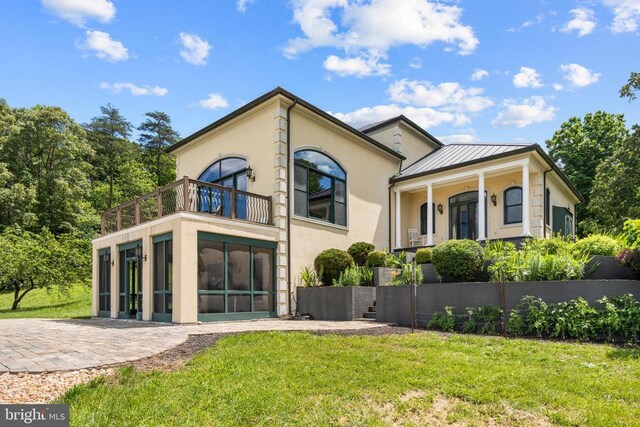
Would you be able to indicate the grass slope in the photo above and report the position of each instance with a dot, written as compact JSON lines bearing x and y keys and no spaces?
{"x":43,"y":304}
{"x":419,"y":379}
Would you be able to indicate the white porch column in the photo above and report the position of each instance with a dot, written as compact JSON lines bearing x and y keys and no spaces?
{"x":429,"y":214}
{"x":526,"y":226}
{"x":482,"y":232}
{"x":398,"y":214}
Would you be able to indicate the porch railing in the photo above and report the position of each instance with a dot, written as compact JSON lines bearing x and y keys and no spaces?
{"x":189,"y":195}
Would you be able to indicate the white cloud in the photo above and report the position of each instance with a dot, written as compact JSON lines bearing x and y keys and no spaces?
{"x":558,"y":86}
{"x":213,"y":101}
{"x":357,"y":66}
{"x":459,"y":138}
{"x":449,"y":96}
{"x":195,"y":50}
{"x":369,"y":29}
{"x":78,"y":12}
{"x":528,"y":111}
{"x":416,"y":63}
{"x":583,"y":22}
{"x":105,"y":47}
{"x":134,"y":90}
{"x":479,"y":74}
{"x":424,"y":117}
{"x":527,"y":77}
{"x":241,"y":5}
{"x":626,"y":15}
{"x":531,"y":22}
{"x":579,"y":76}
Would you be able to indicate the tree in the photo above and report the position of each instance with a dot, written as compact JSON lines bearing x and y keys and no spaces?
{"x":616,"y":191}
{"x":156,"y":135}
{"x":47,"y":151}
{"x":30,"y":261}
{"x":16,"y":200}
{"x":108,"y":134}
{"x":579,"y":146}
{"x":633,"y":85}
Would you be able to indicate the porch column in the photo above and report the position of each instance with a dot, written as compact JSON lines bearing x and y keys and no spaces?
{"x":526,"y":226}
{"x":482,"y":232}
{"x":398,"y":230}
{"x":429,"y":214}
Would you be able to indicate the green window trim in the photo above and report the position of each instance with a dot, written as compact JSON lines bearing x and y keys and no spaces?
{"x":163,"y":241}
{"x":104,"y":282}
{"x":163,"y":237}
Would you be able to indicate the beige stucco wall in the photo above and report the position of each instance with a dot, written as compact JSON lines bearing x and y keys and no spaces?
{"x":368,"y":171}
{"x":412,"y":145}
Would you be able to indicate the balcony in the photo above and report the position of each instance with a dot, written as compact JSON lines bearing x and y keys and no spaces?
{"x":189,"y":195}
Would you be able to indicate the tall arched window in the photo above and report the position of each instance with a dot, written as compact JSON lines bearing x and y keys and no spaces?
{"x":320,"y":187}
{"x":229,"y":172}
{"x":513,"y":205}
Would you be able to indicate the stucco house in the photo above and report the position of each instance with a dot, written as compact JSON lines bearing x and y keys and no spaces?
{"x":270,"y":185}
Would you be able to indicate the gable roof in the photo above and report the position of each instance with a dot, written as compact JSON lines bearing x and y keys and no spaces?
{"x":271,"y":94}
{"x":383,"y":123}
{"x":452,"y":156}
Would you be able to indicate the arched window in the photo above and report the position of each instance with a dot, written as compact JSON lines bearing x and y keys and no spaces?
{"x":229,"y":172}
{"x":320,"y":187}
{"x":513,"y":205}
{"x":424,"y":212}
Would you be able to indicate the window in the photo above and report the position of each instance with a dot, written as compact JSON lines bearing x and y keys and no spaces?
{"x":562,"y":221}
{"x":162,"y":278}
{"x":513,"y":205}
{"x":104,"y":283}
{"x":320,"y":188}
{"x":423,"y":218}
{"x":229,"y":172}
{"x":547,"y":206}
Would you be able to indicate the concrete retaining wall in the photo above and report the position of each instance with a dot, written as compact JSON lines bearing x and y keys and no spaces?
{"x":335,"y":303}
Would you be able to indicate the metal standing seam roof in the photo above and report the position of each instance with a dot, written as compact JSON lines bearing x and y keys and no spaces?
{"x":452,"y":155}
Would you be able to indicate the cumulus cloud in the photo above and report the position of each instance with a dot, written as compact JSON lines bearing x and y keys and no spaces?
{"x":528,"y":111}
{"x":195,"y":49}
{"x":423,"y":116}
{"x":241,"y":5}
{"x":583,"y":22}
{"x":626,"y":15}
{"x":449,"y":96}
{"x":357,"y":66}
{"x":479,"y":74}
{"x":579,"y":76}
{"x":368,"y":30}
{"x":78,"y":12}
{"x":527,"y":77}
{"x":105,"y":47}
{"x":459,"y":138}
{"x":134,"y":89}
{"x":213,"y":101}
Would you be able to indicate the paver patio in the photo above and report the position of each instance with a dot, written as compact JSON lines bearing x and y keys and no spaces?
{"x":39,"y":345}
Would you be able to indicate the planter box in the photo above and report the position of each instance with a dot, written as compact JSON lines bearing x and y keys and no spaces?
{"x":430,"y":275}
{"x":383,"y":275}
{"x":335,"y":303}
{"x":393,"y":304}
{"x":608,"y":269}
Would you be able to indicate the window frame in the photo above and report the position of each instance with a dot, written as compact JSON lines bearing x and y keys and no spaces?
{"x":506,"y":206}
{"x":423,"y":221}
{"x":104,"y":282}
{"x":547,"y":208}
{"x":222,"y":178}
{"x":164,"y":316}
{"x":332,"y":210}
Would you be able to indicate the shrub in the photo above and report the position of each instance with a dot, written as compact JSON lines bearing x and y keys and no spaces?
{"x":496,"y":249}
{"x":470,"y":326}
{"x":330,"y":263}
{"x":552,"y":246}
{"x":620,"y":318}
{"x":309,"y":277}
{"x":515,"y":324}
{"x":631,"y":232}
{"x":630,"y":258}
{"x":524,"y":266}
{"x":460,"y":260}
{"x":443,"y":321}
{"x":423,"y":256}
{"x":376,"y":259}
{"x":597,"y":244}
{"x":366,"y":276}
{"x":359,"y":251}
{"x":395,"y":261}
{"x":349,"y":277}
{"x":409,"y":275}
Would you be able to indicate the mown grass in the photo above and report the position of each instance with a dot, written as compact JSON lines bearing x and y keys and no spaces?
{"x":42,"y":304}
{"x":419,"y":379}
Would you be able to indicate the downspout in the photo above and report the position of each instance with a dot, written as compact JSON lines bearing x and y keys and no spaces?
{"x":288,"y":198}
{"x":545,"y":209}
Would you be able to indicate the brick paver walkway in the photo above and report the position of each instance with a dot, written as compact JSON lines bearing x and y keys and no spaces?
{"x":38,"y":345}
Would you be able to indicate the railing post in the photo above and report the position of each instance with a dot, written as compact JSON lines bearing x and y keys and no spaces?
{"x":103,"y":225}
{"x":137,"y":206}
{"x":118,"y":219}
{"x":233,"y":203}
{"x":185,"y":191}
{"x":270,"y":210}
{"x":159,"y":202}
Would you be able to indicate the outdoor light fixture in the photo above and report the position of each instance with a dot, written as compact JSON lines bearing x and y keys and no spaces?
{"x":440,"y":208}
{"x":139,"y":253}
{"x":494,"y":199}
{"x":250,"y":174}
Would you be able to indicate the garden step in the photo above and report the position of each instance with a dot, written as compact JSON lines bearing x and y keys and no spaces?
{"x":370,"y":315}
{"x":372,"y":309}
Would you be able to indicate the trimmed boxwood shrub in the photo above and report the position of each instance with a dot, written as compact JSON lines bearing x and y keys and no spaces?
{"x":330,"y":263}
{"x":423,"y":256}
{"x":459,"y":260}
{"x":597,"y":244}
{"x":359,"y":251}
{"x":376,"y":259}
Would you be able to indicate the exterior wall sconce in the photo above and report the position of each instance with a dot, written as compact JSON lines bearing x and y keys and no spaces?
{"x":440,"y":209}
{"x":139,"y":253}
{"x":494,"y":199}
{"x":250,"y":174}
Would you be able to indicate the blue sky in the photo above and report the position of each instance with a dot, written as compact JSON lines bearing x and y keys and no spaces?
{"x":465,"y":70}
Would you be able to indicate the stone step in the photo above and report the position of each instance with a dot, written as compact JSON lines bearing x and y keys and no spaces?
{"x":372,"y":309}
{"x":370,"y":315}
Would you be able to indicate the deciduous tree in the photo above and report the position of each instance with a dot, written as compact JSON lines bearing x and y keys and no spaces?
{"x":631,"y":88}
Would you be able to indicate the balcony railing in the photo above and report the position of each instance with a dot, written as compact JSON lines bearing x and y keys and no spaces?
{"x":189,"y":195}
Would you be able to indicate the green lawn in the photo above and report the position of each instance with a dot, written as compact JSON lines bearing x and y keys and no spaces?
{"x":421,"y":379}
{"x":43,"y":304}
